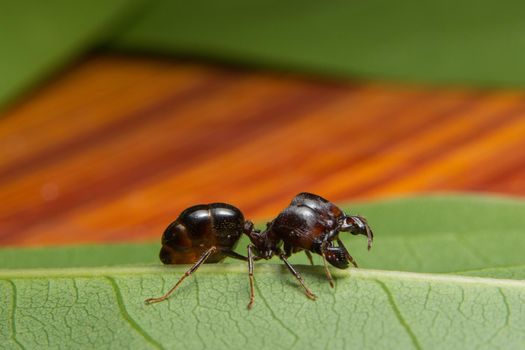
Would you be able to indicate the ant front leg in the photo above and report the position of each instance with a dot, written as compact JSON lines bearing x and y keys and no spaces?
{"x":307,"y":290}
{"x":347,"y":254}
{"x":324,"y":246}
{"x":199,"y":262}
{"x":331,"y":235}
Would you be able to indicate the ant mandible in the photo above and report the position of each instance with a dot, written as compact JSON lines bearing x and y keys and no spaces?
{"x":209,"y":233}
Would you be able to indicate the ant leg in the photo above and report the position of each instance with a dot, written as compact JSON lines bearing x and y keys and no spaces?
{"x":234,"y":255}
{"x":250,"y":275}
{"x":288,"y":250}
{"x":288,"y":253}
{"x":195,"y":266}
{"x":331,"y":235}
{"x":308,"y":292}
{"x":327,"y":271}
{"x":348,"y":256}
{"x":309,"y":256}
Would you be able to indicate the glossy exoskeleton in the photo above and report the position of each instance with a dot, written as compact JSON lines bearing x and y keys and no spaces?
{"x":209,"y":233}
{"x":199,"y":228}
{"x":202,"y":233}
{"x":310,"y":224}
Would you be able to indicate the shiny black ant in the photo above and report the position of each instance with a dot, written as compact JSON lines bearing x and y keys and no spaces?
{"x":209,"y":233}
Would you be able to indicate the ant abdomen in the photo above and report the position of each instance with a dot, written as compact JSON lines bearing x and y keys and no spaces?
{"x":199,"y":228}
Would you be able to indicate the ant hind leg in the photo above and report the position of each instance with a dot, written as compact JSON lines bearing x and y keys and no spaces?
{"x":195,"y":266}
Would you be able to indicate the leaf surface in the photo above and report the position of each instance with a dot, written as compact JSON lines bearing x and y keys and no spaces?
{"x":372,"y":309}
{"x":467,"y":292}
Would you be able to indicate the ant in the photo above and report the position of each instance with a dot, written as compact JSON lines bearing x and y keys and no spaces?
{"x":209,"y":233}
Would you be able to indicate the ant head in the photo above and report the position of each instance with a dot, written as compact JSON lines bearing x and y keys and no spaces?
{"x":357,"y":225}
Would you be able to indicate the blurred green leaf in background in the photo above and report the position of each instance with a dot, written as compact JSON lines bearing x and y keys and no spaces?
{"x":429,"y":41}
{"x":479,"y":43}
{"x":39,"y":37}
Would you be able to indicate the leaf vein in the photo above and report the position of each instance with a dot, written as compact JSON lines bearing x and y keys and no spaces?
{"x":507,"y":307}
{"x":13,"y":313}
{"x":194,"y":310}
{"x":128,"y":318}
{"x":274,"y":315}
{"x":398,"y":314}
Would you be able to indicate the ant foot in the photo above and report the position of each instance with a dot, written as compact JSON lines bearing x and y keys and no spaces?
{"x":311,"y":296}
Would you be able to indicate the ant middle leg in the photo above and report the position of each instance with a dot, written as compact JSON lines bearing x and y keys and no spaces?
{"x":309,"y":256}
{"x":195,"y":266}
{"x":288,"y":253}
{"x":249,"y":259}
{"x":307,"y":290}
{"x":250,"y":275}
{"x":231,"y":254}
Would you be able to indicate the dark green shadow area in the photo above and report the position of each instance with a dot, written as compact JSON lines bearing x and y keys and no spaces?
{"x":38,"y":38}
{"x":463,"y":42}
{"x":477,"y":43}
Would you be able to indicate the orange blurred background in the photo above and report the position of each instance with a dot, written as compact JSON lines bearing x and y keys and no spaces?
{"x":114,"y":148}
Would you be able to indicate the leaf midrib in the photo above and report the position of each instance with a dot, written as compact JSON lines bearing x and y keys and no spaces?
{"x":360,"y":273}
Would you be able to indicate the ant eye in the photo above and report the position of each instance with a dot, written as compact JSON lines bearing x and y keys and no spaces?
{"x":357,"y":221}
{"x":350,"y":221}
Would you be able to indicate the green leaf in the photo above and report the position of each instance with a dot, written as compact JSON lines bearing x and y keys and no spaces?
{"x":39,"y":37}
{"x":368,"y":309}
{"x":442,"y":238}
{"x":479,"y":43}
